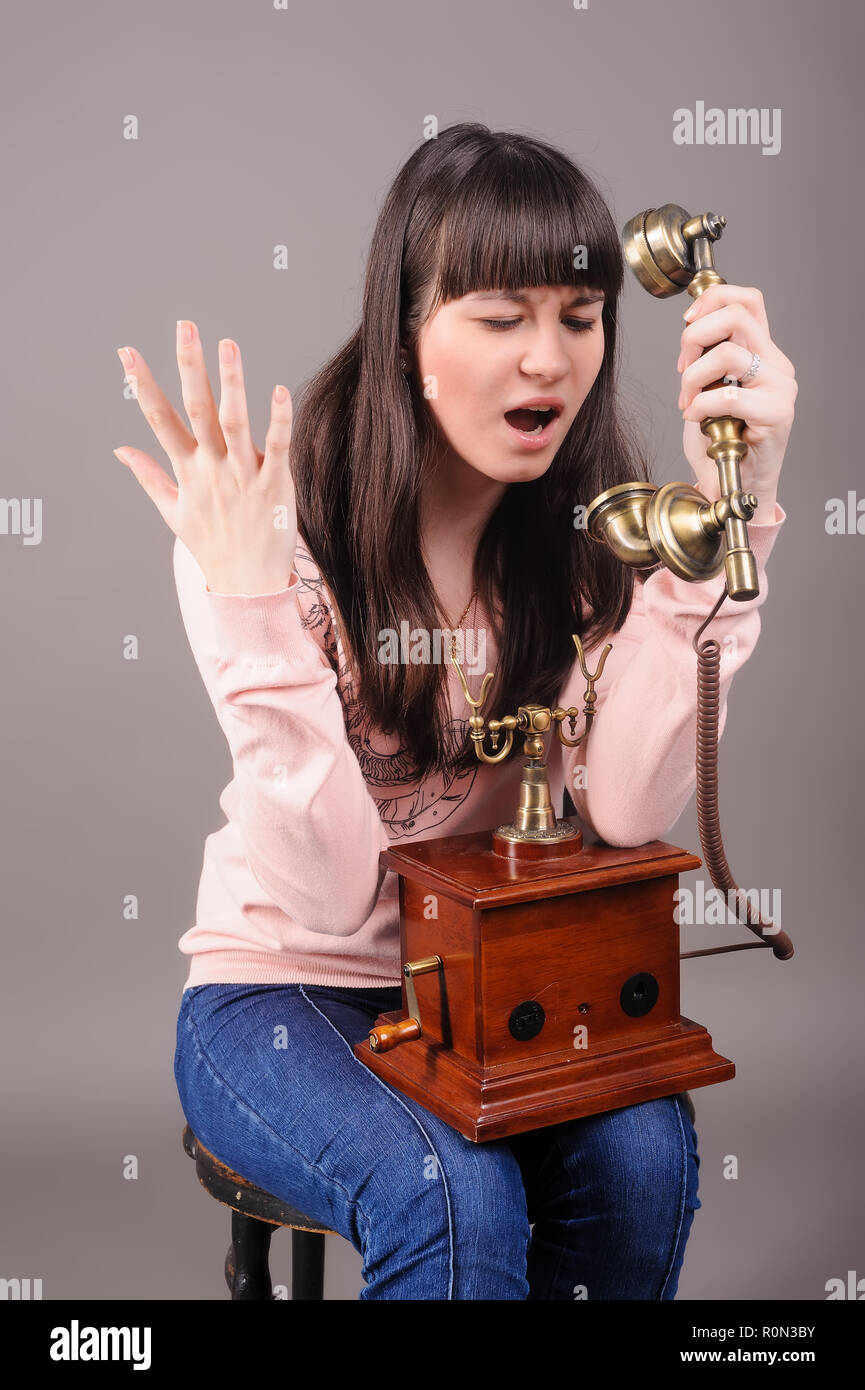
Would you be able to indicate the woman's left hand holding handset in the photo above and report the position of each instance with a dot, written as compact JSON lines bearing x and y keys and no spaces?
{"x":731,"y":322}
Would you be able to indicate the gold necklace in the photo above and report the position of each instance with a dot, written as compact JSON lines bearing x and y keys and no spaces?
{"x":460,"y":623}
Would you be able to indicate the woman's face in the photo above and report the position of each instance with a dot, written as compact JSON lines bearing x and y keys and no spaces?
{"x":484,"y":355}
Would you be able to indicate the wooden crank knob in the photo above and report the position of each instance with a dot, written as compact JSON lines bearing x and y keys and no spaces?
{"x":390,"y":1035}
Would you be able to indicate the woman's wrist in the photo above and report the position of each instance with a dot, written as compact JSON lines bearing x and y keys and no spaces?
{"x":765,"y":515}
{"x":249,"y":586}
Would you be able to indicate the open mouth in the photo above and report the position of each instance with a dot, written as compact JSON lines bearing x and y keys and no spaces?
{"x":531,"y":423}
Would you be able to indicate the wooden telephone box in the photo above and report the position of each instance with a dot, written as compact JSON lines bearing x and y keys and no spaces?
{"x":538,"y":989}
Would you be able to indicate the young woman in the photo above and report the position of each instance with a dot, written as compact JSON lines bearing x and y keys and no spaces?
{"x":413,"y":487}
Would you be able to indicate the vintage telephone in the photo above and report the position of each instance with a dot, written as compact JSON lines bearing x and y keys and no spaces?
{"x":550,"y":968}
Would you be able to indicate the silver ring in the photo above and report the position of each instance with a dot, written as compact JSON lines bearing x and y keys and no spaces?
{"x":753,"y":369}
{"x":751,"y":372}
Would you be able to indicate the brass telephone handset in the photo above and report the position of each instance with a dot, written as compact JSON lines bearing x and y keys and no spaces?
{"x":675,"y":525}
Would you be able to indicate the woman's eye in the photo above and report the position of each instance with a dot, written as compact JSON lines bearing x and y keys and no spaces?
{"x":575,"y":325}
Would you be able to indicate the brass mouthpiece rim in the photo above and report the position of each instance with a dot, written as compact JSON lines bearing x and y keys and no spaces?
{"x":621,"y":495}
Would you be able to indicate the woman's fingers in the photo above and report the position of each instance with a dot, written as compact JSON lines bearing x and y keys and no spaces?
{"x":233,"y":413}
{"x":725,"y":359}
{"x":196,"y":392}
{"x":734,"y":322}
{"x":219,"y":510}
{"x":768,"y":405}
{"x":157,"y":409}
{"x":278,"y":437}
{"x":716,"y":296}
{"x":154,"y":480}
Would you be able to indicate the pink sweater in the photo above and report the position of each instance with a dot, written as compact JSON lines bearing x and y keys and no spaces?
{"x":291,"y":889}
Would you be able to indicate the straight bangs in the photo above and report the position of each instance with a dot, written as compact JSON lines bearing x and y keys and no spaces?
{"x":519,"y":221}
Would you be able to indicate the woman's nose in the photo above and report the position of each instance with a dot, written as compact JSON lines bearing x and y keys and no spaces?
{"x":545,"y":356}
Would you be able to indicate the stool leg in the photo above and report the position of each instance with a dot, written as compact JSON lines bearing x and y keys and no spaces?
{"x":307,"y":1265}
{"x":247,"y":1272}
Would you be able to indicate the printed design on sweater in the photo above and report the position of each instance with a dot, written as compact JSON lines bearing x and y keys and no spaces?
{"x":316,"y":615}
{"x":405,"y":809}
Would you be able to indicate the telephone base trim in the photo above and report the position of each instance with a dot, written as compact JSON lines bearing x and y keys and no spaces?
{"x":487,"y":1103}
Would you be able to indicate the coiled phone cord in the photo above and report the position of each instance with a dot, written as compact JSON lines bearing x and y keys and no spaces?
{"x":708,"y":711}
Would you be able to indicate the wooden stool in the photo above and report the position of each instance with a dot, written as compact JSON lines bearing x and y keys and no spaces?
{"x":254,"y":1215}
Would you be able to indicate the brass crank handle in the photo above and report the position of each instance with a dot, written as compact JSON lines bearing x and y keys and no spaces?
{"x":390,"y":1035}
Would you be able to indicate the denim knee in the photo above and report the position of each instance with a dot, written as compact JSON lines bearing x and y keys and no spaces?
{"x":636,"y":1159}
{"x":626,"y":1180}
{"x":452,"y":1216}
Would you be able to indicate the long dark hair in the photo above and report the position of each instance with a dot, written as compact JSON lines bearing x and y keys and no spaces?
{"x":471,"y":209}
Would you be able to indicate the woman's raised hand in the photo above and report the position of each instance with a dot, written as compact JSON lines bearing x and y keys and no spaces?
{"x":233,"y":506}
{"x":730,"y":323}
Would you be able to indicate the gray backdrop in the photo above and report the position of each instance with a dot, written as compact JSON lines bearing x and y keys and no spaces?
{"x":260,"y":126}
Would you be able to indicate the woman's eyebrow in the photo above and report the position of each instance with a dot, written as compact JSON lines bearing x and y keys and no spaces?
{"x":520,"y":297}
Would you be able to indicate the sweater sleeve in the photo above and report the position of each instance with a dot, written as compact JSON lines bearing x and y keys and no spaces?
{"x":633,"y":776}
{"x":310,"y":830}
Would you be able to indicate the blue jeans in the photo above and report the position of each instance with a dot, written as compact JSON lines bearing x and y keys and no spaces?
{"x":269,"y":1083}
